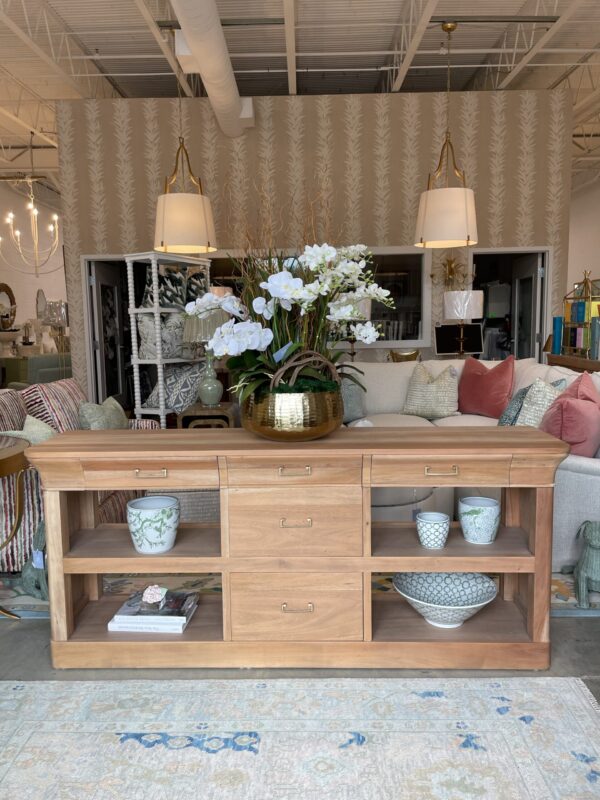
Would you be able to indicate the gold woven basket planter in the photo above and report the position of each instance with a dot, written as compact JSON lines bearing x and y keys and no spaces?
{"x":293,"y":417}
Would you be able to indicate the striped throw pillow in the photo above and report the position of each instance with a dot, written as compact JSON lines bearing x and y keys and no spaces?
{"x":12,"y":410}
{"x":56,"y":404}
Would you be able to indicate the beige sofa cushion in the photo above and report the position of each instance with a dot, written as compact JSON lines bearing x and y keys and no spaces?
{"x":468,"y":420}
{"x":395,"y":421}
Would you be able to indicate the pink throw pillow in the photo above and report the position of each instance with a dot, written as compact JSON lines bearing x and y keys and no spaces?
{"x":485,"y":391}
{"x":574,"y":417}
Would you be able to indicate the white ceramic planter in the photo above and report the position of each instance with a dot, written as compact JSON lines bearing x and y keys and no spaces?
{"x":479,"y":519}
{"x":153,"y":523}
{"x":433,"y":529}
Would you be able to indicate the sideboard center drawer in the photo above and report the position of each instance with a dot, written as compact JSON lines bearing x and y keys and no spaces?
{"x":294,"y":471}
{"x":296,"y":606}
{"x":314,"y":521}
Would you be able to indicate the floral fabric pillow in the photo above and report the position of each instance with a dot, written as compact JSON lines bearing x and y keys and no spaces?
{"x":171,"y":335}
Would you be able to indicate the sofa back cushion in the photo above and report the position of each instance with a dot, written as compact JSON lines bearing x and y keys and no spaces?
{"x":12,"y":410}
{"x":484,"y":390}
{"x":56,"y":404}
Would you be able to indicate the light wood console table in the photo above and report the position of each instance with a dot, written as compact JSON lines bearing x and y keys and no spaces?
{"x":296,"y":549}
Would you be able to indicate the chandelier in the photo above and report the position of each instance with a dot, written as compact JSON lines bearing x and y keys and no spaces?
{"x":36,"y":255}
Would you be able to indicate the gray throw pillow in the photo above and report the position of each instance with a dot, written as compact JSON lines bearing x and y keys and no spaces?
{"x":432,"y":398}
{"x":34,"y":431}
{"x":108,"y":416}
{"x":513,"y":409}
{"x":353,"y":397}
{"x":181,"y":387}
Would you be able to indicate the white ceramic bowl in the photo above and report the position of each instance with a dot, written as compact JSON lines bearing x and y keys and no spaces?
{"x":432,"y":529}
{"x":446,"y":599}
{"x":153,"y":523}
{"x":479,"y":519}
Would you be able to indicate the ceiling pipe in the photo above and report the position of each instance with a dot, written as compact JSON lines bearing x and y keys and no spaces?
{"x":200,"y":47}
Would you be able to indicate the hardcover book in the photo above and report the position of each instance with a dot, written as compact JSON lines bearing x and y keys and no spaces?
{"x":171,"y":615}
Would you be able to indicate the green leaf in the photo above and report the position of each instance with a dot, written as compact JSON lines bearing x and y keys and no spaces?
{"x":355,"y":380}
{"x":251,"y":387}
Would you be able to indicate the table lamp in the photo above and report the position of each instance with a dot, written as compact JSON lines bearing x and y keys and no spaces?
{"x":462,"y":306}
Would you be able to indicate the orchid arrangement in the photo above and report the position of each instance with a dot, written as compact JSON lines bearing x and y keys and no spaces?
{"x":288,"y":305}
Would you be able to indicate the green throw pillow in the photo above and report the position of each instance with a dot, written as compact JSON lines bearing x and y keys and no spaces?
{"x":353,"y":397}
{"x":513,"y":409}
{"x":34,"y":430}
{"x":106,"y":417}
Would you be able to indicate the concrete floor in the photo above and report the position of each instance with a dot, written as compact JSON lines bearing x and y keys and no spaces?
{"x":25,"y":656}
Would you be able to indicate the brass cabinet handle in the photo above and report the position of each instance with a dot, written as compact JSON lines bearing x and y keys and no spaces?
{"x":283,"y":523}
{"x":151,"y":473}
{"x":288,"y":472}
{"x":430,"y":472}
{"x":308,"y":610}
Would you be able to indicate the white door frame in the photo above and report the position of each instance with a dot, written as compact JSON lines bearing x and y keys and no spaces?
{"x":548,"y":251}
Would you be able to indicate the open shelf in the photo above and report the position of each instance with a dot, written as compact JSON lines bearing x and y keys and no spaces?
{"x":108,"y":549}
{"x":395,"y":546}
{"x":394,"y":620}
{"x":205,"y":626}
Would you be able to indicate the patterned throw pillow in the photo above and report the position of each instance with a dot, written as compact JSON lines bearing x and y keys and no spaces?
{"x":56,"y":404}
{"x":34,"y":430}
{"x":171,"y":335}
{"x":353,"y":397}
{"x":513,"y":409}
{"x":538,"y":400}
{"x":432,"y":398}
{"x":12,"y":410}
{"x":181,"y":387}
{"x":196,"y":284}
{"x":171,"y":288}
{"x":106,"y":417}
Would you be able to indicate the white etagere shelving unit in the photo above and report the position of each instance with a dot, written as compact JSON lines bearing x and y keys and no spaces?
{"x":154,"y":260}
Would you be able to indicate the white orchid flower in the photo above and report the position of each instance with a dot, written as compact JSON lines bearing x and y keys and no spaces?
{"x":282,"y":285}
{"x":234,"y":338}
{"x":365,"y":332}
{"x":262,"y":307}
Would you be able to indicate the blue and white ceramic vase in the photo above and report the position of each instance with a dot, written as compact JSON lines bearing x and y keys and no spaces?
{"x":479,"y":519}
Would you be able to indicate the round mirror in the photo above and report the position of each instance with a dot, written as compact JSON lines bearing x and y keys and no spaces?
{"x":8,"y":307}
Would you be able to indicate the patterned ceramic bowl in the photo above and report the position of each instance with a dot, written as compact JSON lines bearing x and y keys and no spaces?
{"x":153,"y":523}
{"x":479,"y":519}
{"x":433,"y":529}
{"x":446,"y":599}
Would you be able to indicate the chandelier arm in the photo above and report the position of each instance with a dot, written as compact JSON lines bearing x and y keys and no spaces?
{"x":28,"y":272}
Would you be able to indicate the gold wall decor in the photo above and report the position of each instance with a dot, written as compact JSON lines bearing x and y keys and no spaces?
{"x":341,"y":168}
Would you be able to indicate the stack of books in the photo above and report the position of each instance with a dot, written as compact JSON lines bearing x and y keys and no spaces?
{"x":171,"y":615}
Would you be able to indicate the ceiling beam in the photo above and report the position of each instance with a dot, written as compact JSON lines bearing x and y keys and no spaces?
{"x":289,"y":16}
{"x":541,"y":43}
{"x":164,"y":47}
{"x":420,"y":26}
{"x":46,"y":36}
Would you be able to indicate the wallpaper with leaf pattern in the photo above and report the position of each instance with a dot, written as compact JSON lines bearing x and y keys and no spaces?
{"x":338,"y":168}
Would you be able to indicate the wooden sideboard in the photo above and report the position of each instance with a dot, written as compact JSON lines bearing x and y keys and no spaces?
{"x":296,"y":548}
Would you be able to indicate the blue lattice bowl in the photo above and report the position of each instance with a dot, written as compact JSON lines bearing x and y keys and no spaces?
{"x":445,"y":599}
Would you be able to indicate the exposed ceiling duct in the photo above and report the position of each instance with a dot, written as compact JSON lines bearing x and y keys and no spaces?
{"x":200,"y":47}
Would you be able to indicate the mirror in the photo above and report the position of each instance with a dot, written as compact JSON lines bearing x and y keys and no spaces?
{"x":8,"y":307}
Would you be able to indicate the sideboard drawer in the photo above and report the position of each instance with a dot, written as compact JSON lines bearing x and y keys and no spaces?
{"x":294,"y":471}
{"x":472,"y":470}
{"x":315,"y":521}
{"x":296,"y":606}
{"x":201,"y":473}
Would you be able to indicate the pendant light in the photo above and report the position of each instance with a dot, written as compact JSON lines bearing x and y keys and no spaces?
{"x":446,"y":216}
{"x":184,"y":220}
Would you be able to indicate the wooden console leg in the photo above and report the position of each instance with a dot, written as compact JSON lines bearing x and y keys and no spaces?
{"x":88,"y":514}
{"x":509,"y":585}
{"x":56,"y":512}
{"x":536,"y":513}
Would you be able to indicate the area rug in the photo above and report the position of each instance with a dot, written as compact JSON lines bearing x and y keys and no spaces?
{"x":352,"y":739}
{"x":12,"y":597}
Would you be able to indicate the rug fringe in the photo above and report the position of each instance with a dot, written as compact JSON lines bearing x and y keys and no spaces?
{"x":587,"y":693}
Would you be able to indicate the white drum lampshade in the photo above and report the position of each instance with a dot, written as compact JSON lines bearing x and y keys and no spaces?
{"x":184,"y":224}
{"x":446,"y":218}
{"x":463,"y":305}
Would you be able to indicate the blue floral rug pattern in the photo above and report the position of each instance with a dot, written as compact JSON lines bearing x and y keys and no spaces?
{"x":348,"y":739}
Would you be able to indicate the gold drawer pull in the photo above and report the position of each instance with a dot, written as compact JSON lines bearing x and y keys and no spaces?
{"x":283,"y":523}
{"x":288,"y":472}
{"x":308,"y":610}
{"x":151,"y":473}
{"x":432,"y":474}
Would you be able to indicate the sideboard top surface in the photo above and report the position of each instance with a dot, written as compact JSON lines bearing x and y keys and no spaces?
{"x":189,"y":444}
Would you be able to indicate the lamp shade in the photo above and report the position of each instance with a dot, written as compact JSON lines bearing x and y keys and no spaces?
{"x":463,"y":305}
{"x":446,"y":218}
{"x":184,"y":224}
